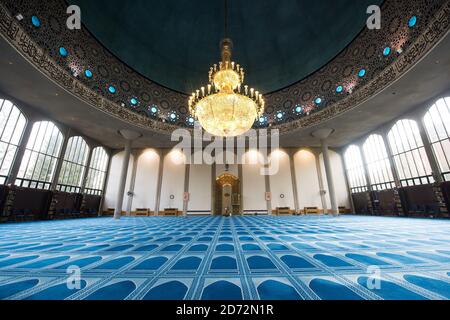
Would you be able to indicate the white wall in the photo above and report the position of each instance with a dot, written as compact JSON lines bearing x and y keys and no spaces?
{"x":308,"y":188}
{"x":199,"y":188}
{"x":254,"y":187}
{"x":281,"y":182}
{"x":113,"y":181}
{"x":172,"y":181}
{"x":146,"y":182}
{"x":253,"y":191}
{"x":340,"y":186}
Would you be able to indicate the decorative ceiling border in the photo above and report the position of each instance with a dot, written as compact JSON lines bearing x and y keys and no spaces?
{"x":138,"y":95}
{"x":410,"y":54}
{"x":18,"y":38}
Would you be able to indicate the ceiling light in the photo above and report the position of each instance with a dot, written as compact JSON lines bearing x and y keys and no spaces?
{"x":35,"y":21}
{"x":226,"y":107}
{"x":63,"y":52}
{"x":112,"y":89}
{"x":412,"y":21}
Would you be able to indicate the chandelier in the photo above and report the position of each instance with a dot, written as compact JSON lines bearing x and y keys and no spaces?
{"x":226,"y":107}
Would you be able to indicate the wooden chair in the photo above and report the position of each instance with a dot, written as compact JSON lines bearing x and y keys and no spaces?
{"x":108,"y":212}
{"x":311,"y":210}
{"x":344,"y":210}
{"x":170,"y":212}
{"x":141,"y":212}
{"x":283,"y":211}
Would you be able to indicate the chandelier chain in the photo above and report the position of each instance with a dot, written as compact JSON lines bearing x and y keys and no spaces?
{"x":226,"y":17}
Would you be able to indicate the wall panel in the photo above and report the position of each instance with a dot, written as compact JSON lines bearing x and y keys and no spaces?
{"x":199,"y":188}
{"x":113,"y":181}
{"x":308,"y":188}
{"x":172,"y":181}
{"x":281,"y":182}
{"x":146,"y":181}
{"x":340,"y":186}
{"x":253,"y":184}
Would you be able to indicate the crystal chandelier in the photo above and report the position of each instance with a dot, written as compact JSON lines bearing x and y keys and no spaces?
{"x":226,"y":107}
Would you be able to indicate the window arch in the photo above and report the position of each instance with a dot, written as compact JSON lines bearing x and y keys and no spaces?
{"x":378,"y":166}
{"x":437,"y":125}
{"x":355,"y":169}
{"x":74,"y":165}
{"x":409,"y":154}
{"x":41,"y":156}
{"x":12,"y":126}
{"x":97,"y":171}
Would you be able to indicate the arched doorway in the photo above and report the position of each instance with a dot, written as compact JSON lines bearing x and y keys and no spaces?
{"x":228,"y":195}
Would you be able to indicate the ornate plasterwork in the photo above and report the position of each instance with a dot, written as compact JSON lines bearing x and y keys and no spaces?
{"x":40,"y":47}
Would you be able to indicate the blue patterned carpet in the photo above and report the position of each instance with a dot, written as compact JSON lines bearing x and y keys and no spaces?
{"x":196,"y":258}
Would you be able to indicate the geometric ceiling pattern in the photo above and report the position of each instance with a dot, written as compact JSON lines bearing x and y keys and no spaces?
{"x":79,"y":63}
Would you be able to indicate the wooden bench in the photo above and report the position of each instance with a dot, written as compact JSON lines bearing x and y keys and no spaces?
{"x":142,"y":212}
{"x":108,"y":212}
{"x":312,"y":210}
{"x":171,"y":212}
{"x":344,"y":210}
{"x":283,"y":211}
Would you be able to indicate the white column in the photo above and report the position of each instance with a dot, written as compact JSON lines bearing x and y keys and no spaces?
{"x":347,"y":185}
{"x":105,"y":183}
{"x":213,"y":188}
{"x":320,"y":179}
{"x":187,"y":169}
{"x":294,"y":180}
{"x":436,"y":170}
{"x":268,"y":190}
{"x":391,"y":160}
{"x":86,"y":171}
{"x":129,"y":136}
{"x":132,"y":181}
{"x":162,"y":155}
{"x":241,"y":189}
{"x":19,"y":154}
{"x":323,"y":135}
{"x":61,"y":156}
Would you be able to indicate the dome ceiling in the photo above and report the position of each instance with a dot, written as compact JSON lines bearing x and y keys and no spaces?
{"x":174,"y":42}
{"x":79,"y":63}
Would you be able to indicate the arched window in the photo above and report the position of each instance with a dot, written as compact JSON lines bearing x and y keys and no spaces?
{"x":12,"y":126}
{"x":41,"y":156}
{"x":74,"y":165}
{"x":409,"y":154}
{"x":97,"y":171}
{"x":378,"y":166}
{"x":355,"y":169}
{"x":437,"y":124}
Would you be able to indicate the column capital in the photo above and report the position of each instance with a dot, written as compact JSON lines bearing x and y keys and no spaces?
{"x":129,"y":134}
{"x":322,"y":133}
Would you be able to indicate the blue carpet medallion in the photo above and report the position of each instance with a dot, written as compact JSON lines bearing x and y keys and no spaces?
{"x":215,"y":258}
